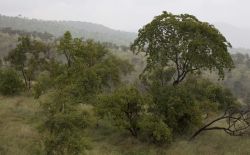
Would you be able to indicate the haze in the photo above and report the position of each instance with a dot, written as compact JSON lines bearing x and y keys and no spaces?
{"x":130,"y":15}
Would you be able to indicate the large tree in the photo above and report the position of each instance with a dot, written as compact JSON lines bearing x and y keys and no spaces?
{"x":18,"y":58}
{"x":184,"y":43}
{"x":66,"y":47}
{"x":89,"y":70}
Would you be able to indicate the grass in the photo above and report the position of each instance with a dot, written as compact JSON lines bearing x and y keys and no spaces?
{"x":19,"y":136}
{"x":18,"y":133}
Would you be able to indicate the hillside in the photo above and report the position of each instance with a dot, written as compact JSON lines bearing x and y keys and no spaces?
{"x":78,"y":29}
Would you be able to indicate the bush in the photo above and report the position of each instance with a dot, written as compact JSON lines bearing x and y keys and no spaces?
{"x":214,"y":94}
{"x":64,"y":124}
{"x":44,"y":82}
{"x":178,"y":108}
{"x":155,"y":130}
{"x":124,"y":107}
{"x":10,"y":82}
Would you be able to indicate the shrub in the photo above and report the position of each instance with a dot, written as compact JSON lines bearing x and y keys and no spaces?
{"x":10,"y":82}
{"x":178,"y":108}
{"x":124,"y":107}
{"x":155,"y":130}
{"x":64,"y":124}
{"x":44,"y":82}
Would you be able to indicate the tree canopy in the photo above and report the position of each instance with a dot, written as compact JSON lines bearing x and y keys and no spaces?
{"x":184,"y":43}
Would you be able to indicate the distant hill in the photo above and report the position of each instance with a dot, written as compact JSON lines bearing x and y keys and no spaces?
{"x":78,"y":29}
{"x":239,"y":37}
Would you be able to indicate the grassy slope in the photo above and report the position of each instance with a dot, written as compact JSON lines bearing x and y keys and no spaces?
{"x":19,"y":136}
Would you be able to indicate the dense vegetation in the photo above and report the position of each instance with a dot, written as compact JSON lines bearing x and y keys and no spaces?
{"x":86,"y":91}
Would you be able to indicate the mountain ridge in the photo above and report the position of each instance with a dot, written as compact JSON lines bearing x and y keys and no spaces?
{"x":237,"y":36}
{"x":86,"y":30}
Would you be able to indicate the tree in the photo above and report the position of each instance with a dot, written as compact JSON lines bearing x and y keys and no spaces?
{"x":66,"y":47}
{"x":125,"y":107}
{"x":185,"y":107}
{"x":155,"y":130}
{"x":89,"y":70}
{"x":18,"y":57}
{"x":205,"y":91}
{"x":64,"y":124}
{"x":177,"y":107}
{"x":43,"y":83}
{"x":185,"y":43}
{"x":26,"y":58}
{"x":10,"y":82}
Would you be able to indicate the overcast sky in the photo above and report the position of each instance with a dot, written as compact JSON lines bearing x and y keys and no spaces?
{"x":129,"y":15}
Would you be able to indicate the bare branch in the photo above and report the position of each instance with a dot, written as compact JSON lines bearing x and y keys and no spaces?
{"x":238,"y":123}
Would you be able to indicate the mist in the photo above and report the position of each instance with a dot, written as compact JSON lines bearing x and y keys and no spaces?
{"x":130,"y":15}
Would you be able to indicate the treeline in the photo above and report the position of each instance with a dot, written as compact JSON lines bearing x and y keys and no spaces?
{"x":44,"y":36}
{"x":82,"y":85}
{"x":9,"y":39}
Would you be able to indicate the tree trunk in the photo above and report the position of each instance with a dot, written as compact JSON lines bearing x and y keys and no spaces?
{"x":29,"y":84}
{"x":25,"y":78}
{"x":175,"y":83}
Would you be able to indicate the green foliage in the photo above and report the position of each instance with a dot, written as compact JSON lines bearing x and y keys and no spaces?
{"x":176,"y":46}
{"x":185,"y":43}
{"x":64,"y":125}
{"x":125,"y":107}
{"x":155,"y":130}
{"x":10,"y":82}
{"x":43,"y":83}
{"x":159,"y":77}
{"x":178,"y":108}
{"x":66,"y":47}
{"x":88,"y":71}
{"x":17,"y":57}
{"x":26,"y":58}
{"x":205,"y":91}
{"x":184,"y":107}
{"x":93,"y":63}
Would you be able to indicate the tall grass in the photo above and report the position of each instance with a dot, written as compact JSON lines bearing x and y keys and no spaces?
{"x":18,"y":133}
{"x":19,"y":136}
